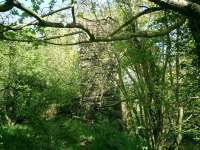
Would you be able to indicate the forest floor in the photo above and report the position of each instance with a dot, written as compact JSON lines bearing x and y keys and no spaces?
{"x":62,"y":133}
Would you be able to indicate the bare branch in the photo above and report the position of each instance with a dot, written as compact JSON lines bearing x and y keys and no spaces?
{"x":8,"y":5}
{"x":44,"y":23}
{"x":69,"y":25}
{"x":99,"y":20}
{"x":184,"y":7}
{"x":72,"y":10}
{"x":146,"y":11}
{"x":121,"y":37}
{"x":56,"y":11}
{"x":34,"y":22}
{"x":28,"y":11}
{"x":44,"y":41}
{"x":61,"y":36}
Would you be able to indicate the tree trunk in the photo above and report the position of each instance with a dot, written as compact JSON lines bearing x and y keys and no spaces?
{"x":194,"y":24}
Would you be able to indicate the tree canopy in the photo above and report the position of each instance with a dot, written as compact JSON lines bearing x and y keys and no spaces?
{"x":99,"y":74}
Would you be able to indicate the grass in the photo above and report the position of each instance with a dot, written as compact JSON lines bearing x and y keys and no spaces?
{"x":64,"y":134}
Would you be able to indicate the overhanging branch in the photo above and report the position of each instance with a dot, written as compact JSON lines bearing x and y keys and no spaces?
{"x":34,"y":22}
{"x":44,"y":23}
{"x":61,"y":36}
{"x":146,"y":11}
{"x":143,"y":34}
{"x":28,"y":11}
{"x":69,"y":25}
{"x":8,"y":5}
{"x":184,"y":7}
{"x":120,"y":37}
{"x":56,"y":11}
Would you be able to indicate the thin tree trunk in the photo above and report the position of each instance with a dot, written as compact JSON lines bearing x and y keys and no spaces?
{"x":194,"y":24}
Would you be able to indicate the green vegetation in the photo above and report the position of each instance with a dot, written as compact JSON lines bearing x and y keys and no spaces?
{"x":99,"y":75}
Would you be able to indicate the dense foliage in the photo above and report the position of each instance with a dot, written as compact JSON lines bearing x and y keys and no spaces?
{"x":100,"y":75}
